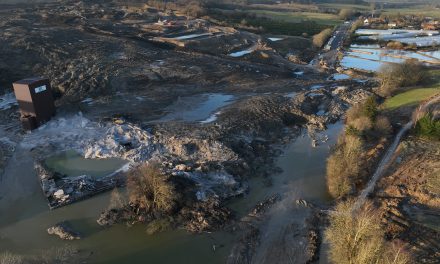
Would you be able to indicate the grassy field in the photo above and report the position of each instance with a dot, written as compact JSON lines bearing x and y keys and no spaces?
{"x":296,"y":17}
{"x":345,"y":6}
{"x":411,"y":97}
{"x":423,"y":10}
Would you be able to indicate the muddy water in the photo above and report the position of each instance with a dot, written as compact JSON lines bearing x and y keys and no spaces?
{"x":196,"y":108}
{"x":25,"y":215}
{"x":71,"y":164}
{"x":303,"y":173}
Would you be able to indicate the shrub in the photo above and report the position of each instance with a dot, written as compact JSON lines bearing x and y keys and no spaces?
{"x":149,"y":190}
{"x":382,"y":125}
{"x":428,"y":127}
{"x":345,"y":13}
{"x":369,"y":108}
{"x":117,"y":201}
{"x":321,"y":38}
{"x":394,"y":45}
{"x":355,"y":237}
{"x":395,"y":76}
{"x":362,"y":124}
{"x":344,"y":165}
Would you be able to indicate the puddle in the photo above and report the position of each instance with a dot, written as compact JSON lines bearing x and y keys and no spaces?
{"x":211,"y":118}
{"x":7,"y":101}
{"x":243,"y":52}
{"x":291,"y":95}
{"x":298,"y":74}
{"x":71,"y":164}
{"x":191,"y":36}
{"x":275,"y":39}
{"x":196,"y":108}
{"x":316,"y":86}
{"x":340,"y":76}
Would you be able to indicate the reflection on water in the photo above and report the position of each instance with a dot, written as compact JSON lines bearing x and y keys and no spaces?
{"x":371,"y":58}
{"x":196,"y":108}
{"x":71,"y":164}
{"x":25,"y":215}
{"x":303,"y":171}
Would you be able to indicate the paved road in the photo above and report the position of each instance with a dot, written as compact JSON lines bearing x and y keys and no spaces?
{"x":339,"y":36}
{"x":330,"y":51}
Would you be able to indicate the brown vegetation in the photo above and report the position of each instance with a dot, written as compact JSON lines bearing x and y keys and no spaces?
{"x":357,"y":237}
{"x":345,"y":13}
{"x":321,"y":38}
{"x":149,"y":190}
{"x":395,"y":76}
{"x":346,"y":165}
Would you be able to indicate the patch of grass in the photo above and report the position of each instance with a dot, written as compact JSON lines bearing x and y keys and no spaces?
{"x":409,"y":98}
{"x":296,"y":17}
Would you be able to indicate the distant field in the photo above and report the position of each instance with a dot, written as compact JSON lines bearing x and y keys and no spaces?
{"x":411,"y":97}
{"x":296,"y":17}
{"x":415,"y":10}
{"x":345,"y":6}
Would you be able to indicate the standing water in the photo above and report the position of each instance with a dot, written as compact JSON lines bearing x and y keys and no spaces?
{"x":25,"y":215}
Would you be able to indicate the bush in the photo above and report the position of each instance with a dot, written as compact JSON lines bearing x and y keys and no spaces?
{"x":368,"y":108}
{"x":382,"y":125}
{"x":345,"y":13}
{"x":356,"y":237}
{"x":362,"y":124}
{"x":117,"y":201}
{"x":394,"y":45}
{"x":149,"y":190}
{"x":321,"y":38}
{"x":395,"y":76}
{"x":344,"y":165}
{"x":428,"y":127}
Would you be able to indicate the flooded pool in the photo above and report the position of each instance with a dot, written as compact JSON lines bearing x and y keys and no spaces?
{"x":303,"y":171}
{"x":372,"y":57}
{"x":25,"y":216}
{"x":71,"y":164}
{"x":196,"y":108}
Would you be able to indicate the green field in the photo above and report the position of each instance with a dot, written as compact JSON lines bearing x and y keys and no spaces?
{"x":411,"y":97}
{"x":345,"y":6}
{"x":423,"y":10}
{"x":296,"y":17}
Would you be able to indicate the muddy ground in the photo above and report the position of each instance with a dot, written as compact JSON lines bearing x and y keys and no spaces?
{"x":117,"y":69}
{"x":409,"y":198}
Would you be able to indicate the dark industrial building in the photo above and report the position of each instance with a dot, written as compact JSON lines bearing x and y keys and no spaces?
{"x":34,"y":96}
